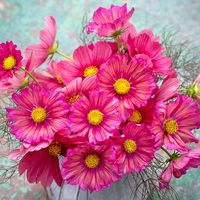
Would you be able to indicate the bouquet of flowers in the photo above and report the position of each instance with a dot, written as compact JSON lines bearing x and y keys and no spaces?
{"x":108,"y":110}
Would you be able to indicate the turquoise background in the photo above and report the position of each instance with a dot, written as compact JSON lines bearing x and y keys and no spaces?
{"x":21,"y":20}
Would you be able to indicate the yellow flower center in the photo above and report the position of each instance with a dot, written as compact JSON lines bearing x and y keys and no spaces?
{"x":92,"y":161}
{"x":59,"y":79}
{"x":74,"y":99}
{"x":90,"y":71}
{"x":135,"y":117}
{"x":9,"y":63}
{"x":95,"y":117}
{"x":39,"y":114}
{"x":130,"y":146}
{"x":54,"y":149}
{"x":122,"y":86}
{"x":170,"y":126}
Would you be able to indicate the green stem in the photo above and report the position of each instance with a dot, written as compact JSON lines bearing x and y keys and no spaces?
{"x":30,"y":75}
{"x":166,"y":152}
{"x":64,"y":55}
{"x":118,"y":44}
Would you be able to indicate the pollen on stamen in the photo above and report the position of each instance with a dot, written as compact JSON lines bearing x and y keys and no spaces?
{"x":90,"y":71}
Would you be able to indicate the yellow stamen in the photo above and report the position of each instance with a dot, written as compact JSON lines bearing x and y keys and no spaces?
{"x":136,"y":117}
{"x":59,"y":79}
{"x":54,"y":149}
{"x":130,"y":146}
{"x":39,"y":115}
{"x":170,"y":126}
{"x":122,"y":86}
{"x":74,"y":99}
{"x":90,"y":71}
{"x":9,"y":63}
{"x":95,"y":117}
{"x":92,"y":161}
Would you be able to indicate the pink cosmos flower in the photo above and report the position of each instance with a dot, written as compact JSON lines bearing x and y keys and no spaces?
{"x":146,"y":114}
{"x":10,"y":59}
{"x":179,"y":166}
{"x":38,"y":115}
{"x":129,"y":82}
{"x":91,"y":167}
{"x":173,"y":126}
{"x":47,"y":45}
{"x":111,"y":21}
{"x":145,"y":49}
{"x":95,"y":116}
{"x":51,"y":78}
{"x":87,"y":61}
{"x":78,"y":88}
{"x":12,"y":84}
{"x":135,"y":149}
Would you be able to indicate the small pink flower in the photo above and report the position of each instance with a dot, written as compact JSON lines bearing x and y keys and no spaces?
{"x":174,"y":126}
{"x":87,"y":61}
{"x":12,"y":84}
{"x":51,"y":78}
{"x":147,"y":50}
{"x":179,"y":166}
{"x":111,"y":21}
{"x":10,"y":59}
{"x":135,"y":148}
{"x":38,"y":115}
{"x":78,"y":88}
{"x":47,"y":46}
{"x":91,"y":167}
{"x":129,"y":82}
{"x":95,"y":116}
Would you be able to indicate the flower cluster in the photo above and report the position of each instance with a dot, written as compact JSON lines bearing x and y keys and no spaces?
{"x":103,"y":112}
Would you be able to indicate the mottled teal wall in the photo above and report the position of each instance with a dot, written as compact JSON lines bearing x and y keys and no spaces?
{"x":21,"y":20}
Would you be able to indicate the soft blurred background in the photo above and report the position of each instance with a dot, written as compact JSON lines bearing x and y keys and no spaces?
{"x":21,"y":20}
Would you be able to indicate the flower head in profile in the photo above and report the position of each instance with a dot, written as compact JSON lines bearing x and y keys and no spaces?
{"x":95,"y":116}
{"x":129,"y":82}
{"x":47,"y":45}
{"x":178,"y":166}
{"x":174,"y":126}
{"x":10,"y":59}
{"x":135,"y":148}
{"x":110,"y":21}
{"x":12,"y":84}
{"x":90,"y":166}
{"x":86,"y":61}
{"x":50,"y":78}
{"x":38,"y":114}
{"x":149,"y":52}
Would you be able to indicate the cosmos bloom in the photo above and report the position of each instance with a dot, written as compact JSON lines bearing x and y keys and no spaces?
{"x":51,"y":78}
{"x":10,"y":59}
{"x":46,"y":46}
{"x":148,"y":51}
{"x":135,"y":149}
{"x":86,"y":61}
{"x":174,"y":126}
{"x":12,"y":84}
{"x":130,"y":83}
{"x":42,"y":165}
{"x":39,"y":113}
{"x":78,"y":88}
{"x":146,"y":114}
{"x":91,"y":167}
{"x":179,"y":166}
{"x":95,"y":116}
{"x":111,"y":21}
